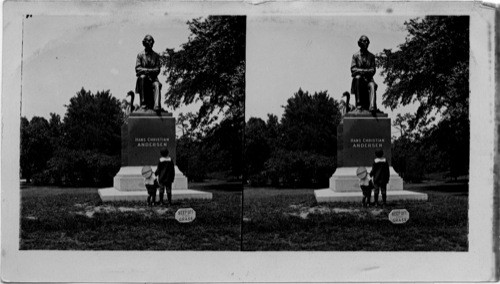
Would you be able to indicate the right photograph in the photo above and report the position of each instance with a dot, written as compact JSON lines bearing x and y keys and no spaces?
{"x":357,"y":133}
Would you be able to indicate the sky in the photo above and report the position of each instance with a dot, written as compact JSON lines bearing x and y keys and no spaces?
{"x":62,"y":54}
{"x":312,"y":53}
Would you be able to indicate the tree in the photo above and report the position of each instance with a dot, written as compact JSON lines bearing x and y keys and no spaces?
{"x":83,"y":149}
{"x":191,"y":158}
{"x":55,"y":130}
{"x":402,"y":123}
{"x":93,"y":122}
{"x":451,"y":139}
{"x":215,"y":153}
{"x":272,"y":126}
{"x":85,"y":146}
{"x":36,"y":148}
{"x":224,"y":144}
{"x":299,"y":151}
{"x":431,"y":68}
{"x":299,"y":168}
{"x":184,"y":123}
{"x":257,"y":149}
{"x":24,"y":159}
{"x":309,"y":123}
{"x":209,"y":68}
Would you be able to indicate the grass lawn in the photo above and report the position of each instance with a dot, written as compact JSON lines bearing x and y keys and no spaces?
{"x":273,"y":219}
{"x":291,"y":219}
{"x":76,"y":219}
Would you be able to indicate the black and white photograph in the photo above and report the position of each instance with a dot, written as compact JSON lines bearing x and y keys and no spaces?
{"x":130,"y":129}
{"x":249,"y":141}
{"x":366,"y":126}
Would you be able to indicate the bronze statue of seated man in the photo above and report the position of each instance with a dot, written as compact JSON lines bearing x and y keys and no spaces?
{"x":147,"y":69}
{"x":362,"y":71}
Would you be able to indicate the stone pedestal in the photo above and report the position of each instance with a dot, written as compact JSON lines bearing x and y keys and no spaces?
{"x":360,"y":134}
{"x":143,"y":136}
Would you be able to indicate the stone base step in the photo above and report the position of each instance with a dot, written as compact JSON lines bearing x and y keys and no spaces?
{"x":112,"y":194}
{"x":328,"y":195}
{"x":130,"y":179}
{"x":345,"y":180}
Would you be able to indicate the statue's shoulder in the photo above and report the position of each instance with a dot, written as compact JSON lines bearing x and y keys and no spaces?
{"x":142,"y":54}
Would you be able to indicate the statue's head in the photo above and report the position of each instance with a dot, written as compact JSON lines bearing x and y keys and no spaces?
{"x":363,"y":42}
{"x":148,"y":41}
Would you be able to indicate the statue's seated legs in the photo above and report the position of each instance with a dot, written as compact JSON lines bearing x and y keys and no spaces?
{"x":149,"y":92}
{"x":371,"y":88}
{"x":358,"y":89}
{"x":364,"y":92}
{"x":156,"y":92}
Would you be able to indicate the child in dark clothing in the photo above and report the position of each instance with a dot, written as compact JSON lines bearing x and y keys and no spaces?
{"x":380,"y":174}
{"x":166,"y":174}
{"x":150,"y":183}
{"x":366,"y":185}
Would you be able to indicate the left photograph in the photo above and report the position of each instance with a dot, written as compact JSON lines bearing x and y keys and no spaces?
{"x":131,"y":132}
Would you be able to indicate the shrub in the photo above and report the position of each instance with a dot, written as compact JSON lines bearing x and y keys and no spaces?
{"x":299,"y":169}
{"x":79,"y":168}
{"x":191,"y":159}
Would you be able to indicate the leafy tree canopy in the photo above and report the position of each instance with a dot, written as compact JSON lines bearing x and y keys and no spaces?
{"x":299,"y":150}
{"x":36,"y":147}
{"x":431,"y":67}
{"x":257,"y":148}
{"x":93,"y":122}
{"x":309,"y":123}
{"x":209,"y":68}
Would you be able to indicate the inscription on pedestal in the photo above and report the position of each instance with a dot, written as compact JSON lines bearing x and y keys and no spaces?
{"x":151,"y":141}
{"x":361,"y":137}
{"x":146,"y":136}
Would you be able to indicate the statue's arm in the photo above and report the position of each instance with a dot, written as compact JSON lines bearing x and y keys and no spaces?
{"x":354,"y":67}
{"x":155,"y":71}
{"x":139,"y":70}
{"x":355,"y":70}
{"x":371,"y":71}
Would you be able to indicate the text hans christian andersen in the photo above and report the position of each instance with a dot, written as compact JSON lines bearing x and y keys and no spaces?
{"x":151,"y":141}
{"x":367,"y":142}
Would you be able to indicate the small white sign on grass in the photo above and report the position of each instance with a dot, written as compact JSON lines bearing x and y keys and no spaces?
{"x":399,"y":216}
{"x":185,"y":215}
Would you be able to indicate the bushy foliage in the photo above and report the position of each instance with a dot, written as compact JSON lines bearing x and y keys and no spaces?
{"x":441,"y":148}
{"x":299,"y":169}
{"x":93,"y":122}
{"x":36,"y":146}
{"x":309,"y":123}
{"x":214,"y":153}
{"x":191,"y":158}
{"x":210,"y":69}
{"x":407,"y":159}
{"x":79,"y":168}
{"x":82,"y":150}
{"x":257,"y":149}
{"x":432,"y":68}
{"x":299,"y":151}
